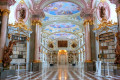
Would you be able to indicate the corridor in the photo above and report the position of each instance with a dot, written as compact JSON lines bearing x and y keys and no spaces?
{"x":60,"y":73}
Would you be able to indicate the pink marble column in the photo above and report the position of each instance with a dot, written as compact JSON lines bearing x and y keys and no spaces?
{"x":36,"y":59}
{"x":3,"y":32}
{"x":87,"y":43}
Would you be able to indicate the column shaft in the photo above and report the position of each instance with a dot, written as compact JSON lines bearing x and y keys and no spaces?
{"x":37,"y":44}
{"x":3,"y":33}
{"x":87,"y":43}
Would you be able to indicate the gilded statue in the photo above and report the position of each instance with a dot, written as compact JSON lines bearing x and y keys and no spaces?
{"x":7,"y":53}
{"x":102,"y":12}
{"x":22,"y":13}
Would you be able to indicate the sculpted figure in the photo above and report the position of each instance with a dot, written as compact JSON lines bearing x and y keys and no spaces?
{"x":102,"y":12}
{"x":7,"y":53}
{"x":22,"y":13}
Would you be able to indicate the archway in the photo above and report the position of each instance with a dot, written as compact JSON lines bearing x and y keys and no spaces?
{"x":62,"y":57}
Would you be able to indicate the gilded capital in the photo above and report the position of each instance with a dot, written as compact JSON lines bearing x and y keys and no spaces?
{"x":88,"y":61}
{"x":36,"y":22}
{"x":88,"y":21}
{"x":37,"y":61}
{"x":5,"y":12}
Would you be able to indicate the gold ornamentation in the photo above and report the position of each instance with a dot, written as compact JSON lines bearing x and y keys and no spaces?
{"x":62,"y":52}
{"x":90,"y":21}
{"x":105,"y":23}
{"x":118,"y":10}
{"x":88,"y":61}
{"x":21,"y":24}
{"x":22,"y":2}
{"x":28,"y":38}
{"x":5,"y":12}
{"x":97,"y":38}
{"x":9,"y":36}
{"x":37,"y":61}
{"x":0,"y":61}
{"x":36,"y":22}
{"x":116,"y":34}
{"x":0,"y":14}
{"x":102,"y":0}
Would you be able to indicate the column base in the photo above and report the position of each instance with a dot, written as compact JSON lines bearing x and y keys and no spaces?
{"x":37,"y":66}
{"x":89,"y":66}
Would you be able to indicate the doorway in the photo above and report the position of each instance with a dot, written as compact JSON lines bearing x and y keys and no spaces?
{"x":62,"y":57}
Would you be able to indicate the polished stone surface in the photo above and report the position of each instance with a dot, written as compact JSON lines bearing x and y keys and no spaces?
{"x":60,"y":73}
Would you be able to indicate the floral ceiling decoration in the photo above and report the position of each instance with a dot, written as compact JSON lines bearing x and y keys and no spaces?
{"x":62,"y":8}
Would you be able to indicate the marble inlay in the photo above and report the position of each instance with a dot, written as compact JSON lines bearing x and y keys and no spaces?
{"x":61,"y":73}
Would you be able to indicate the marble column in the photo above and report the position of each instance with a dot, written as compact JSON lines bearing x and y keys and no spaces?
{"x":87,"y":43}
{"x":5,"y":14}
{"x":36,"y":59}
{"x":118,"y":15}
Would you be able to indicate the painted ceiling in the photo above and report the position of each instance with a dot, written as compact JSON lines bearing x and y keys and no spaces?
{"x":65,"y":11}
{"x":62,"y":8}
{"x":62,"y":35}
{"x":61,"y":27}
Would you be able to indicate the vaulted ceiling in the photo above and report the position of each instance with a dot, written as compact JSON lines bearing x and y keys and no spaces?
{"x":62,"y":18}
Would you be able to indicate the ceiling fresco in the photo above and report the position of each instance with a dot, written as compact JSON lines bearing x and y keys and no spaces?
{"x":62,"y":8}
{"x":61,"y":27}
{"x":63,"y":35}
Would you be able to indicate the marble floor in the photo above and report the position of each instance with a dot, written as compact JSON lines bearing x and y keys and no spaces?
{"x":59,"y":73}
